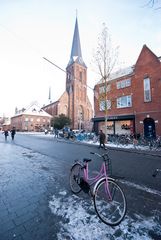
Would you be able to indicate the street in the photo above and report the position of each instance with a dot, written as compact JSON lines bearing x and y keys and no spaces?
{"x":36,"y":201}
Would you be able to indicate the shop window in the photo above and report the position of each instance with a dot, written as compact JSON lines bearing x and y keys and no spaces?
{"x":125,"y":126}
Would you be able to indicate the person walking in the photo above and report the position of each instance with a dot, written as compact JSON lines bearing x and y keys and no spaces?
{"x":56,"y":133}
{"x":13,"y":132}
{"x":5,"y":134}
{"x":102,"y":139}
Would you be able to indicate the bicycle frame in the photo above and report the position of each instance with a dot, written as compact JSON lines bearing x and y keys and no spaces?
{"x":92,"y":180}
{"x":95,"y":180}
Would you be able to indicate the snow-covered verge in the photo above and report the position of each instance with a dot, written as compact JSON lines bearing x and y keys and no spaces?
{"x":79,"y":221}
{"x":109,"y":144}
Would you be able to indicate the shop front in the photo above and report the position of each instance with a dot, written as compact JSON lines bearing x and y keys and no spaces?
{"x":116,"y":125}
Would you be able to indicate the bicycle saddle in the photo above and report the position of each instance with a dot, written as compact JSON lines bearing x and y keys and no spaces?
{"x":87,"y":160}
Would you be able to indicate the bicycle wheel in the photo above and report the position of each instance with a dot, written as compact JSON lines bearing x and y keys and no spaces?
{"x":109,"y":202}
{"x":75,"y":176}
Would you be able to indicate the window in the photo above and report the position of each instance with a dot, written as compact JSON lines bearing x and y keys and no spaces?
{"x":80,"y":76}
{"x":123,"y":83}
{"x":118,"y":84}
{"x":104,"y":104}
{"x":147,"y":90}
{"x":128,"y":82}
{"x":102,"y":88}
{"x":124,"y":101}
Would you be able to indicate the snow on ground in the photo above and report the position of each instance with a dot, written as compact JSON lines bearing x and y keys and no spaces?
{"x":109,"y":144}
{"x":79,"y":221}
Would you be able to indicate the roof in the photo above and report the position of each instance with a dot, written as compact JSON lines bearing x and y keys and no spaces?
{"x":120,"y":73}
{"x":76,"y":53}
{"x":33,"y":109}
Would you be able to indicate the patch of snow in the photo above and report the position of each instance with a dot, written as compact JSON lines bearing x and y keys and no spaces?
{"x":81,"y":222}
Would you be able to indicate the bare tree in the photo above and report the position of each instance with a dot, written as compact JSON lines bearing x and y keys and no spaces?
{"x":105,"y":59}
{"x":156,"y":4}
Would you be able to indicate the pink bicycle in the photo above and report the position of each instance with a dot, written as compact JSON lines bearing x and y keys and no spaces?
{"x":109,"y":198}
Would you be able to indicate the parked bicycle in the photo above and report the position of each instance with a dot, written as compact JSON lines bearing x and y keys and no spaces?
{"x":109,"y":198}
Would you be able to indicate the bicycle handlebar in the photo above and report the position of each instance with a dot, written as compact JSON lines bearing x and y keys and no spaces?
{"x":96,"y":154}
{"x":101,"y":156}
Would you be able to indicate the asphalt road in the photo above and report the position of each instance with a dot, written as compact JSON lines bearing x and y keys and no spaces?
{"x":43,"y":164}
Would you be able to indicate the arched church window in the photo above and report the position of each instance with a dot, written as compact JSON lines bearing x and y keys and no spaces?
{"x":80,"y":113}
{"x":80,"y":76}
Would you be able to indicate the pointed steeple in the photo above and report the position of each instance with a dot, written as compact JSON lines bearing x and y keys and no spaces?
{"x":76,"y":53}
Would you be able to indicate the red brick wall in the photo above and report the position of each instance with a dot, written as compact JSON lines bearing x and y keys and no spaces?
{"x":147,"y":65}
{"x":30,"y":122}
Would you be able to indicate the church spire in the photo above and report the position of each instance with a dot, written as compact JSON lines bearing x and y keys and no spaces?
{"x":76,"y":53}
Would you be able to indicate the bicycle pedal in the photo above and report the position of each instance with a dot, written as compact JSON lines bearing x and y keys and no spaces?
{"x":84,"y":185}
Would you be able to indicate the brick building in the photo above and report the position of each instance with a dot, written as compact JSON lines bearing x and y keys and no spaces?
{"x":32,"y":118}
{"x":133,"y":98}
{"x":74,"y":102}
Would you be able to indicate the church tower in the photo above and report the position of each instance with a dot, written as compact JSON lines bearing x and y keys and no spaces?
{"x":79,"y":106}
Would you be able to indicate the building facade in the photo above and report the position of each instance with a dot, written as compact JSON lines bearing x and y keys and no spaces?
{"x":74,"y":102}
{"x":133,"y":99}
{"x":32,"y":118}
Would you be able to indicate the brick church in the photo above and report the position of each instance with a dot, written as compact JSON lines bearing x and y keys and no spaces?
{"x":74,"y":102}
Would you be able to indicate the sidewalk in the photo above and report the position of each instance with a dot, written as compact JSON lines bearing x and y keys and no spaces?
{"x":25,"y":188}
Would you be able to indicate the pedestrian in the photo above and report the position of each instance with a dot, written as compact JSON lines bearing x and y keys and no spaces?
{"x":102,"y":139}
{"x":5,"y":134}
{"x":13,"y":132}
{"x":56,"y":133}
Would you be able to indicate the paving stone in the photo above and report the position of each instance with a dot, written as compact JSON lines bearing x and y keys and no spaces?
{"x":24,"y":218}
{"x":7,"y":225}
{"x":15,"y":233}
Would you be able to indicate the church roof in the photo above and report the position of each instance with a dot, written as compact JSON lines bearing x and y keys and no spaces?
{"x":76,"y":53}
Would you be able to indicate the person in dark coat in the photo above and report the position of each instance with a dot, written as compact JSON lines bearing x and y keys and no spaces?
{"x":13,"y":132}
{"x":102,"y":139}
{"x":5,"y":134}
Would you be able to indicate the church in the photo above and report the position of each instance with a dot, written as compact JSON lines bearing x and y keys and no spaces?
{"x":74,"y":102}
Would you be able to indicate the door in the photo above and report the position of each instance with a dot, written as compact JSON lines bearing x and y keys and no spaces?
{"x":149,"y":128}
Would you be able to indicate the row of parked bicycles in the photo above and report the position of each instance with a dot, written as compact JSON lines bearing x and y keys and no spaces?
{"x":137,"y":141}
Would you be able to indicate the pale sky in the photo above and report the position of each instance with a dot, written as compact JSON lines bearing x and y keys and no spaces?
{"x":33,"y":29}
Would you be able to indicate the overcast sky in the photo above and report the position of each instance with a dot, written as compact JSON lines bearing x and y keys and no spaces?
{"x":33,"y":29}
